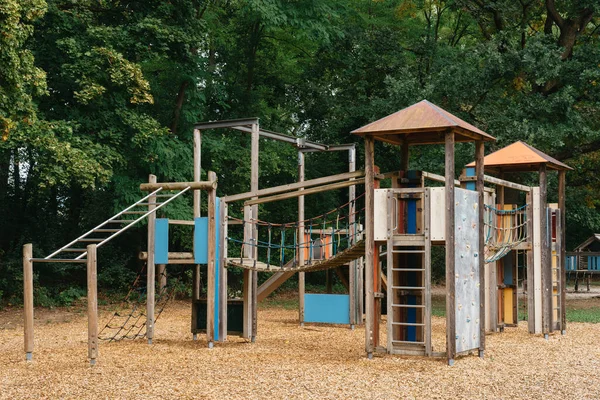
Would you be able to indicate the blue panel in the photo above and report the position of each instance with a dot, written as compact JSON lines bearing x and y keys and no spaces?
{"x":201,"y":240}
{"x":470,"y":172}
{"x":327,"y":308}
{"x":161,"y":241}
{"x":508,"y":270}
{"x":217,"y":269}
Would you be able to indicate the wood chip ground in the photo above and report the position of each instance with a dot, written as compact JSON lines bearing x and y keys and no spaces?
{"x":318,"y":362}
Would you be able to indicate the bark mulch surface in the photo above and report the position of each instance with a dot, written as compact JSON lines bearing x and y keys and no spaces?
{"x":289,"y":362}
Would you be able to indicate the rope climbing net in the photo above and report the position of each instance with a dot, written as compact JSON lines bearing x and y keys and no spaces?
{"x":130,"y":324}
{"x":504,"y":231}
{"x":326,"y":235}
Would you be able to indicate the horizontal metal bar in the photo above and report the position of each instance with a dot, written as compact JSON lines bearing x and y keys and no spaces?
{"x":226,"y":123}
{"x":73,"y":250}
{"x":408,"y":287}
{"x":106,"y":230}
{"x":58,"y":260}
{"x":335,"y":147}
{"x":408,"y":269}
{"x":408,"y":323}
{"x":134,"y":212}
{"x":297,"y":142}
{"x":408,"y":305}
{"x":90,"y":240}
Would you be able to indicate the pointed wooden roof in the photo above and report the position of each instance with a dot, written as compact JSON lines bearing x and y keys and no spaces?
{"x":520,"y":157}
{"x":421,"y":123}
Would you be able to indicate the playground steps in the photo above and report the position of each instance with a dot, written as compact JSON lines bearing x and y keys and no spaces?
{"x":75,"y":250}
{"x":409,"y":295}
{"x":342,"y":258}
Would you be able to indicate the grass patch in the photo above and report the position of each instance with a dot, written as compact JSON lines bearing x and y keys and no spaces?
{"x":591,"y":315}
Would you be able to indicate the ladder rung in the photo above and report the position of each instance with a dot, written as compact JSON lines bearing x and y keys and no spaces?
{"x":409,"y":305}
{"x":407,"y":342}
{"x":134,"y":212}
{"x":120,"y":220}
{"x":148,"y":204}
{"x":408,"y":323}
{"x":408,"y":269}
{"x":73,"y":250}
{"x":61,"y":260}
{"x":106,"y":230}
{"x":164,"y":195}
{"x":91,"y":240}
{"x":408,"y":287}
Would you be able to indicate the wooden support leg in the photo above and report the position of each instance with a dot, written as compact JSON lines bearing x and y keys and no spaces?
{"x":450,"y":251}
{"x":92,"y":299}
{"x":150,"y":268}
{"x":28,"y":300}
{"x":162,"y":277}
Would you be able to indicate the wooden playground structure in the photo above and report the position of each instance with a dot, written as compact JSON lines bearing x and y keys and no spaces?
{"x":382,"y":238}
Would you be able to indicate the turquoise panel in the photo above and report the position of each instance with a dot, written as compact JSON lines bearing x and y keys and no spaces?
{"x":161,"y":241}
{"x":327,"y":308}
{"x":201,"y":240}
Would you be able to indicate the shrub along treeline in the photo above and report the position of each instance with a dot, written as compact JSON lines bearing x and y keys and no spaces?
{"x":95,"y":95}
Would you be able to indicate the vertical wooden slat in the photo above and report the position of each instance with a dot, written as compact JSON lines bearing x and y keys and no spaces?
{"x":390,"y":274}
{"x":530,"y":266}
{"x":353,"y":266}
{"x":546,"y":254}
{"x":369,"y":244}
{"x":211,"y":268}
{"x":197,"y":213}
{"x":162,"y":277}
{"x":562,"y":184}
{"x":28,"y":300}
{"x":301,"y":239}
{"x":247,"y":283}
{"x":150,"y":267}
{"x":92,"y":300}
{"x":479,"y":186}
{"x":223,"y":271}
{"x":255,"y":137}
{"x":427,"y":266}
{"x":450,"y":251}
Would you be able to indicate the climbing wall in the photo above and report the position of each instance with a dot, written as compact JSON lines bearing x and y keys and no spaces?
{"x":467,"y":269}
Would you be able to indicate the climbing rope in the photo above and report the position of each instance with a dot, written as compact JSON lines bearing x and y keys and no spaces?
{"x":504,"y":231}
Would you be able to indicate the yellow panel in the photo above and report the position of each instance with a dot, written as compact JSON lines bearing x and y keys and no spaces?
{"x":554,"y":305}
{"x":508,"y":306}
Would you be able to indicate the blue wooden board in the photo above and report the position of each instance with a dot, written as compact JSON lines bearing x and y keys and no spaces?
{"x":327,"y":308}
{"x":161,"y":241}
{"x":201,"y":240}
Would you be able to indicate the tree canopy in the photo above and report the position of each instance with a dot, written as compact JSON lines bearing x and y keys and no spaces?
{"x":97,"y":94}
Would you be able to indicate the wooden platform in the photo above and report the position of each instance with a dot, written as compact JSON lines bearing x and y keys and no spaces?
{"x":342,"y":258}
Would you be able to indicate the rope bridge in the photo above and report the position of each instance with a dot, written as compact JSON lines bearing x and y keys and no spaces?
{"x":131,"y":324}
{"x":504,"y":231}
{"x":330,"y":240}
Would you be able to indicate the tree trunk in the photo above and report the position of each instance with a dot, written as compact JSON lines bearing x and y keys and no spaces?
{"x":179,"y":105}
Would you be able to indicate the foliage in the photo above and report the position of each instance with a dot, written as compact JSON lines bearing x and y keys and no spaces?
{"x":96,"y":95}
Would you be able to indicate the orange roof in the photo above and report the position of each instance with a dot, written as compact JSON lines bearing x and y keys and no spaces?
{"x":520,"y":156}
{"x":421,"y":123}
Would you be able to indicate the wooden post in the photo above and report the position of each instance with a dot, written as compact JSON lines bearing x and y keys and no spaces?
{"x":197,"y":213}
{"x":479,"y":186}
{"x":150,"y":267}
{"x":255,"y":137}
{"x":223,"y":292}
{"x":369,"y":244}
{"x":353,"y":266}
{"x":162,"y":277}
{"x":450,"y":251}
{"x":562,"y":184}
{"x":247,"y":283}
{"x":404,"y":158}
{"x":546,"y":255}
{"x":530,"y":266}
{"x":28,"y":300}
{"x":92,"y":300}
{"x":301,"y":239}
{"x":211,"y":268}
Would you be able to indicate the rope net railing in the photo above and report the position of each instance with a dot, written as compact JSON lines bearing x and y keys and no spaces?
{"x":504,"y":230}
{"x":129,"y":321}
{"x":278,"y":244}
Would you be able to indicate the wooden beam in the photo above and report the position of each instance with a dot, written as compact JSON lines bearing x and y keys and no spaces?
{"x":143,"y":255}
{"x":293,"y":186}
{"x":271,"y":284}
{"x":211,"y":269}
{"x":353,"y":266}
{"x":92,"y":300}
{"x":223,"y":292}
{"x":450,"y":251}
{"x":196,"y":276}
{"x":150,"y":266}
{"x":562,"y":184}
{"x":205,"y":185}
{"x":369,"y":244}
{"x":28,"y":300}
{"x":301,"y":239}
{"x":530,"y":266}
{"x":254,"y":174}
{"x":479,"y":186}
{"x":546,"y":256}
{"x":305,"y":192}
